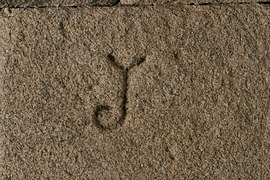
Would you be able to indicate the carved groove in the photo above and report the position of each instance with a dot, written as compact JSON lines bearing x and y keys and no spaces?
{"x":124,"y":97}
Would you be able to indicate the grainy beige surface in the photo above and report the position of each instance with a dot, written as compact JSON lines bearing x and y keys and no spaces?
{"x":136,"y":92}
{"x":4,"y":44}
{"x":195,"y":2}
{"x":35,"y":3}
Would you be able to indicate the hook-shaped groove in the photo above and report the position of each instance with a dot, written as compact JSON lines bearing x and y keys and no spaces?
{"x":124,"y":97}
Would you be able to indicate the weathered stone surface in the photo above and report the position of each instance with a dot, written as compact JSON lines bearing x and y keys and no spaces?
{"x":196,"y":98}
{"x":156,"y":2}
{"x":38,"y":3}
{"x":4,"y":43}
{"x":42,"y":3}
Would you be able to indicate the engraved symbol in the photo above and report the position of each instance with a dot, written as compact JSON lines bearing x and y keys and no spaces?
{"x":123,"y":106}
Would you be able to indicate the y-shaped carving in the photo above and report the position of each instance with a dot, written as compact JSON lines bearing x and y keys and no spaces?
{"x":100,"y":108}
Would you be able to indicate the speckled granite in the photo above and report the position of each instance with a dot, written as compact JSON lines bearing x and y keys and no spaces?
{"x":165,"y":92}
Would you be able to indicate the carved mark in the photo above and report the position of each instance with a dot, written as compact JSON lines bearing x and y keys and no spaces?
{"x":97,"y":111}
{"x":123,"y":107}
{"x":7,"y":178}
{"x":167,"y":150}
{"x":62,"y":29}
{"x":138,"y":63}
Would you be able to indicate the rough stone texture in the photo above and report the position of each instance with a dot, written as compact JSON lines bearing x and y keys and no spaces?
{"x":37,"y":3}
{"x":197,"y":94}
{"x":155,"y":2}
{"x":4,"y":43}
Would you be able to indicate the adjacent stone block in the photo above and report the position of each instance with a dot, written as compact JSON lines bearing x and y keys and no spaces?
{"x":40,"y":3}
{"x":135,"y":92}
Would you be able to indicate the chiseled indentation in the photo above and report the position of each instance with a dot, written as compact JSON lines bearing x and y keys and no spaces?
{"x":123,"y":107}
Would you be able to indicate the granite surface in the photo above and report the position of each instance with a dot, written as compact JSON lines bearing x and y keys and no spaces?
{"x":57,"y":3}
{"x":42,"y":3}
{"x":164,"y":92}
